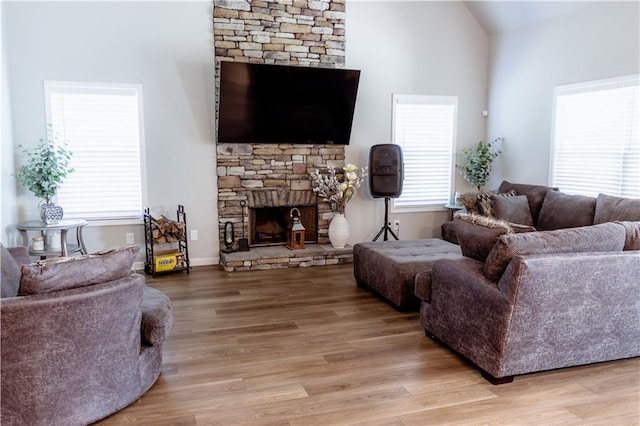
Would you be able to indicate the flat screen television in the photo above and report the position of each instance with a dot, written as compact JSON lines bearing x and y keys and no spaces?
{"x":262,"y":103}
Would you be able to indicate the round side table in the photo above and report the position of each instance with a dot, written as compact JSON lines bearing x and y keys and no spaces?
{"x":63,"y":227}
{"x":453,"y":208}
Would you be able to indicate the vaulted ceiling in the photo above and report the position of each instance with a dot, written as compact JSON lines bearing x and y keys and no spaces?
{"x":500,"y":16}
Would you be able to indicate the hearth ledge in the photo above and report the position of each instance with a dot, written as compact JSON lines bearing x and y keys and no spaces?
{"x":280,"y":257}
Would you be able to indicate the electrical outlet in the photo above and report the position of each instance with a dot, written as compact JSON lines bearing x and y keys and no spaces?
{"x":194,"y":235}
{"x":130,"y":238}
{"x":396,"y":224}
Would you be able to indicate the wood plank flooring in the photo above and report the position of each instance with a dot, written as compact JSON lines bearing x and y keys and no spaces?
{"x":305,"y":346}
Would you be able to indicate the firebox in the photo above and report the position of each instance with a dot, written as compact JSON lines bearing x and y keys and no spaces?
{"x":268,"y":225}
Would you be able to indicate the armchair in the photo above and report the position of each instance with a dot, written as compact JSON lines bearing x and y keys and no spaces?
{"x":74,"y":356}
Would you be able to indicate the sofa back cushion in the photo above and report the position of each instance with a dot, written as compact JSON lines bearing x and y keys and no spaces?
{"x":597,"y":238}
{"x":610,"y":209}
{"x":535,"y":195}
{"x":45,"y":276}
{"x":560,"y":210}
{"x":10,"y":274}
{"x":513,"y":209}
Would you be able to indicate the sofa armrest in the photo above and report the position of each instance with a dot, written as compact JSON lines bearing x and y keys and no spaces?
{"x":157,"y":317}
{"x":422,"y":286}
{"x":467,"y":311}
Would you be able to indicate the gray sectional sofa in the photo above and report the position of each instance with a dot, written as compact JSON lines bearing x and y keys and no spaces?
{"x":521,"y":300}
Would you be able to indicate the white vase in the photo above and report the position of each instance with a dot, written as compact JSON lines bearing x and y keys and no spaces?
{"x":338,"y":231}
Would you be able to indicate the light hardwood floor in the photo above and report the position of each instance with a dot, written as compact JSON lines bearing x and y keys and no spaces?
{"x":306,"y":346}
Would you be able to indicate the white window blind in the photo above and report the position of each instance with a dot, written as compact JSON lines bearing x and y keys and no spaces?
{"x":425,"y":128}
{"x":102,"y":125}
{"x":595,"y":140}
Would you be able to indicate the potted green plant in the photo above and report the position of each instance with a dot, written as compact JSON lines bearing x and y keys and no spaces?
{"x":48,"y":164}
{"x":477,"y":162}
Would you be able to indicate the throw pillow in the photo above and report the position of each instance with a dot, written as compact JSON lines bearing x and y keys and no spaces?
{"x":10,"y":274}
{"x":535,"y":194}
{"x":513,"y":209}
{"x":470,"y":202}
{"x":478,"y":234}
{"x":63,"y":273}
{"x":561,"y":211}
{"x":605,"y":237}
{"x":610,"y":208}
{"x":485,"y":201}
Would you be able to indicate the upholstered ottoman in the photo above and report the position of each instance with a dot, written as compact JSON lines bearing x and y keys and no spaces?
{"x":389,"y":268}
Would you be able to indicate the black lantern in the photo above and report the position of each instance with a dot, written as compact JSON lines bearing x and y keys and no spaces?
{"x":295,"y":231}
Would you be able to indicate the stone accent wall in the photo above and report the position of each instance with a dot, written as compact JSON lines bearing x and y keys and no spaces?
{"x":291,"y":32}
{"x":284,"y":32}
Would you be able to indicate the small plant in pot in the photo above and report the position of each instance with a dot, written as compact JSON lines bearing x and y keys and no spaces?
{"x":48,"y":164}
{"x":477,"y":162}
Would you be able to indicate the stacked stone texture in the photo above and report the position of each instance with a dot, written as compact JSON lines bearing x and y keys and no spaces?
{"x":294,"y":260}
{"x":283,"y":32}
{"x":245,"y":169}
{"x":291,"y":32}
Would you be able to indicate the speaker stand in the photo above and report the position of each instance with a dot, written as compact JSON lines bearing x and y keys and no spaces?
{"x":386,"y":228}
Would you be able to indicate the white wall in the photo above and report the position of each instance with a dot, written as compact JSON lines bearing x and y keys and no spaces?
{"x":599,"y":40}
{"x":165,"y":46}
{"x":428,"y":48}
{"x":433,"y":48}
{"x":7,"y":181}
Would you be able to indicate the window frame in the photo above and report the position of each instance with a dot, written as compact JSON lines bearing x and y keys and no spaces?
{"x":585,"y":87}
{"x":52,"y":87}
{"x":430,"y":100}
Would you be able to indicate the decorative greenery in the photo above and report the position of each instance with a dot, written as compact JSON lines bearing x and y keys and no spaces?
{"x":46,"y":168}
{"x":335,"y":192}
{"x":477,"y":162}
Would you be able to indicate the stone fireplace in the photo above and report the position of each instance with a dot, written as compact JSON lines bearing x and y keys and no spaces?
{"x":258,"y":184}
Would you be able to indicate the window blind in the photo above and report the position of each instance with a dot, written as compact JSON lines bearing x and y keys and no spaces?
{"x":595,"y":139}
{"x":102,"y":125}
{"x":425,"y":128}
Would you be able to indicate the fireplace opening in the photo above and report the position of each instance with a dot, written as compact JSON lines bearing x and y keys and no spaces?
{"x":268,"y":225}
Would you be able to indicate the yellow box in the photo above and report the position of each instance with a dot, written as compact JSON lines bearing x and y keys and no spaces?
{"x":165,"y":262}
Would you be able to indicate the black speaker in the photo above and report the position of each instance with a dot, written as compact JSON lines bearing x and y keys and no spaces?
{"x":385,"y":170}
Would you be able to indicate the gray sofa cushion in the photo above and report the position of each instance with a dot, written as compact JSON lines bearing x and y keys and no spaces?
{"x":535,"y":195}
{"x":610,"y":208}
{"x":561,"y":211}
{"x":605,"y":237}
{"x":513,"y":209}
{"x":632,"y":242}
{"x":478,"y":234}
{"x":10,"y":274}
{"x":62,"y":273}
